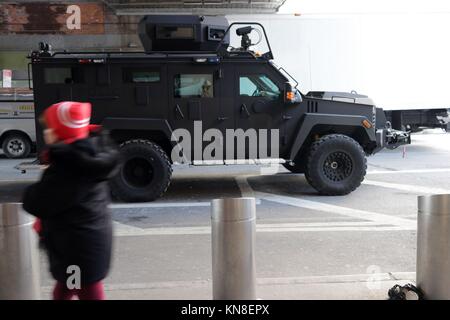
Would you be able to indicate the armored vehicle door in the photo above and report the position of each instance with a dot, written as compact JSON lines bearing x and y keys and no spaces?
{"x":144,"y":90}
{"x":61,"y":82}
{"x":194,"y":99}
{"x":259,"y":103}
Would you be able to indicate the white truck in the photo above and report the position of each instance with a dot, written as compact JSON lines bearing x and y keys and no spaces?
{"x":17,"y":124}
{"x":399,"y":60}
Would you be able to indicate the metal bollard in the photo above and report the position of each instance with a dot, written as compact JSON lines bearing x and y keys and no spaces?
{"x":233,"y":248}
{"x":19,"y":254}
{"x":433,"y":246}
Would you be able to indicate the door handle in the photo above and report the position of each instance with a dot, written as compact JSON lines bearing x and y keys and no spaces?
{"x":178,"y":110}
{"x":222,"y":118}
{"x":245,"y":110}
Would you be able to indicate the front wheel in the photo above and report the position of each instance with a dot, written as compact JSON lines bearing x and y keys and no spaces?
{"x":336,"y":165}
{"x":145,"y":172}
{"x":16,"y":146}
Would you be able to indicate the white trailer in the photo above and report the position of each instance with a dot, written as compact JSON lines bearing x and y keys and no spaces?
{"x":400,"y":60}
{"x":17,"y":122}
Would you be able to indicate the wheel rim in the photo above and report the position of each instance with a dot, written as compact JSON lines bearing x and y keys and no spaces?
{"x":138,"y":172}
{"x":338,"y":166}
{"x":15,"y":147}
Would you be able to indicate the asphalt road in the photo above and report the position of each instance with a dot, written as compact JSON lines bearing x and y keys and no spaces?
{"x":162,"y":249}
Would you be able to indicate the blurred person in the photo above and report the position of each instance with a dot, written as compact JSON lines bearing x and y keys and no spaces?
{"x":71,"y":200}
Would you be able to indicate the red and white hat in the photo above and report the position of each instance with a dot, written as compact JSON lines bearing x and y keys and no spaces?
{"x":69,"y":120}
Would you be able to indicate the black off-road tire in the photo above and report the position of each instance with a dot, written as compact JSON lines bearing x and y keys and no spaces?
{"x":336,"y":165}
{"x":145,"y":172}
{"x":16,"y":146}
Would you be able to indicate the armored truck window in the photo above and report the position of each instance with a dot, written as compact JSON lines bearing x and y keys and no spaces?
{"x":174,"y":32}
{"x":194,"y":85}
{"x":258,"y":86}
{"x":63,"y":75}
{"x":141,"y":76}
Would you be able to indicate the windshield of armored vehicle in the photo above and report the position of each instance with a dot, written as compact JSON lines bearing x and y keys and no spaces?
{"x":258,"y":86}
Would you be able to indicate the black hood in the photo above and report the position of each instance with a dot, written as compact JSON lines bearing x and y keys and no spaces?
{"x":94,"y":157}
{"x":350,"y":97}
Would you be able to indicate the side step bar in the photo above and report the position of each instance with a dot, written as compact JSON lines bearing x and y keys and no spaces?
{"x":238,"y":162}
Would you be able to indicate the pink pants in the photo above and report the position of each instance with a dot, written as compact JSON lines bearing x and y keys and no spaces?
{"x":93,"y":291}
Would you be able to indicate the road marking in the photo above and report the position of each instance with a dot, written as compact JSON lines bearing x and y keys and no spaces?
{"x":158,"y":205}
{"x":244,"y":186}
{"x":333,"y":229}
{"x":316,"y":224}
{"x":437,"y":170}
{"x":354,"y":213}
{"x":375,"y":221}
{"x":123,"y":230}
{"x":162,"y":205}
{"x":379,"y":218}
{"x":405,"y":187}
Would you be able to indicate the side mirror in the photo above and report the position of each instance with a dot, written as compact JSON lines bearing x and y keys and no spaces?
{"x":291,"y":94}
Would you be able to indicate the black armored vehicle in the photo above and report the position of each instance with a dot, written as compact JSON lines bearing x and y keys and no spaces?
{"x":191,"y":97}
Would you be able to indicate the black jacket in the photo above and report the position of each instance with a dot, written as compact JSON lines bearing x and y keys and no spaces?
{"x":72,"y":200}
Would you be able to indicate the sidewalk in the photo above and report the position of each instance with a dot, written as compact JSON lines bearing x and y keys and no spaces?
{"x":345,"y":287}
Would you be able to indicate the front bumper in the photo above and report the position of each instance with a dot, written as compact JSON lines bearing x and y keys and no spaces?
{"x":391,"y":139}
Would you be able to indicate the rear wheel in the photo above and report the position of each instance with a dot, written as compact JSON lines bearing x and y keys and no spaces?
{"x":16,"y":146}
{"x":145,"y":172}
{"x":336,"y":165}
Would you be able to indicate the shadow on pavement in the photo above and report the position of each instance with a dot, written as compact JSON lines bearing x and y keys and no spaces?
{"x":283,"y":183}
